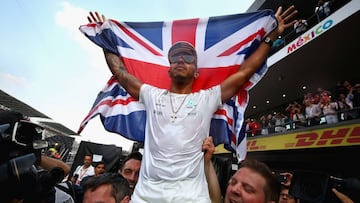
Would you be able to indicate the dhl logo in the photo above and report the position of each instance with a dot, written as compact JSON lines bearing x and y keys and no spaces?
{"x":333,"y":137}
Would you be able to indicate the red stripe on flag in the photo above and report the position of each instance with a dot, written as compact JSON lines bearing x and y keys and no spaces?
{"x":242,"y":97}
{"x":184,"y":30}
{"x":90,"y":25}
{"x":229,"y":120}
{"x":233,"y":139}
{"x":112,"y":103}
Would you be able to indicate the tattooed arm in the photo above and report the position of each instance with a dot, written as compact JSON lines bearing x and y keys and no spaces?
{"x":116,"y":66}
{"x":128,"y":81}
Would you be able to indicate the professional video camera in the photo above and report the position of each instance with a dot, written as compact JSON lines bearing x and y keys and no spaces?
{"x":315,"y":187}
{"x":21,"y":145}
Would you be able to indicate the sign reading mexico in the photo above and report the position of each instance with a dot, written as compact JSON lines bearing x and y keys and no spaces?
{"x":347,"y":135}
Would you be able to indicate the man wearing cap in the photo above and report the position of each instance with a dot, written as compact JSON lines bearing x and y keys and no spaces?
{"x":178,"y":120}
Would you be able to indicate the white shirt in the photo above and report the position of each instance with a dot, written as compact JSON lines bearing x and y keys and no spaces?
{"x":174,"y":133}
{"x":82,"y":173}
{"x":62,"y":197}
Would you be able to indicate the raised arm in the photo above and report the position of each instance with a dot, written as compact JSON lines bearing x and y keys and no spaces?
{"x":213,"y":184}
{"x":117,"y":67}
{"x":232,"y":84}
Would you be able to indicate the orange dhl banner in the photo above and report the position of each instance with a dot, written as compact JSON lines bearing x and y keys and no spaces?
{"x":347,"y":135}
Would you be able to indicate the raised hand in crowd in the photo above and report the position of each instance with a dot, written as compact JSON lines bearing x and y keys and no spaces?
{"x":208,"y":148}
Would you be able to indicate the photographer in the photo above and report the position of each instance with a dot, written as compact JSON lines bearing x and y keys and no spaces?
{"x":62,"y":192}
{"x":311,"y":186}
{"x":28,"y":176}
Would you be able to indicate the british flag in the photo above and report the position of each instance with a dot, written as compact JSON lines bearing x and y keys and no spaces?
{"x":222,"y":44}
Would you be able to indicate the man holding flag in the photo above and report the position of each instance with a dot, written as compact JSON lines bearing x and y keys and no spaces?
{"x":178,"y":117}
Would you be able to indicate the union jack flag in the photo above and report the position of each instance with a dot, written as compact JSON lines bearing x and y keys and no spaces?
{"x":222,"y":44}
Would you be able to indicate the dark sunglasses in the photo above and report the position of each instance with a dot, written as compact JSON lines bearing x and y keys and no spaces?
{"x":186,"y":58}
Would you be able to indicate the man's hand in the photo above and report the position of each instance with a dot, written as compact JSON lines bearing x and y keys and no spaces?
{"x":208,"y":148}
{"x":96,"y":18}
{"x":284,"y":20}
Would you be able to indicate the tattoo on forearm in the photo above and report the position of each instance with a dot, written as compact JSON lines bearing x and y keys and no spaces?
{"x":119,"y":70}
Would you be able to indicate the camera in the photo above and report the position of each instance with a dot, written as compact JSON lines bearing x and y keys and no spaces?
{"x":315,"y":187}
{"x":21,"y":145}
{"x":281,"y":178}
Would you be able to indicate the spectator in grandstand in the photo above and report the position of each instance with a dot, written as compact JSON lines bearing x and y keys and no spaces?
{"x":355,"y":94}
{"x":280,"y":122}
{"x":350,"y":99}
{"x":130,"y":168}
{"x":299,"y":118}
{"x":83,"y":170}
{"x":252,"y":182}
{"x":322,"y":10}
{"x":329,"y":109}
{"x":254,"y":127}
{"x":290,"y":109}
{"x":344,"y":105}
{"x":108,"y":187}
{"x":264,"y":125}
{"x":321,"y":93}
{"x":312,"y":112}
{"x":271,"y":123}
{"x":300,"y":26}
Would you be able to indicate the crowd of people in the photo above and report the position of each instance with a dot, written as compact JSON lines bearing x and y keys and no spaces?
{"x":252,"y":181}
{"x":98,"y":184}
{"x":321,"y":107}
